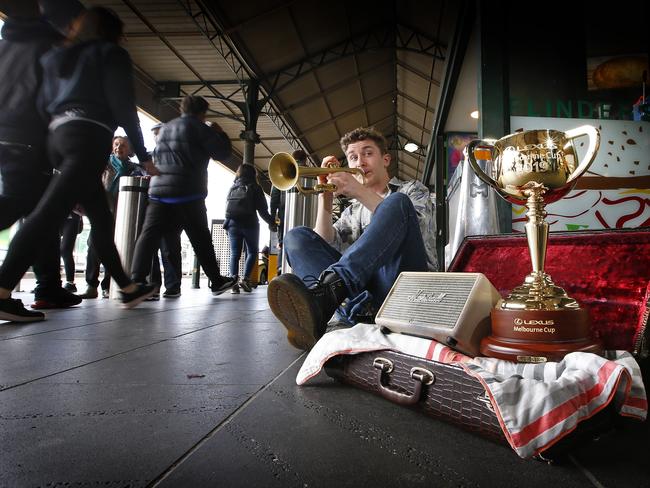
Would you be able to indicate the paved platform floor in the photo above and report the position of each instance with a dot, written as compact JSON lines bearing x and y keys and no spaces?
{"x":200,"y":391}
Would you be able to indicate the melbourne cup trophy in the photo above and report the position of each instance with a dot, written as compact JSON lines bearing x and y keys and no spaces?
{"x":537,"y":322}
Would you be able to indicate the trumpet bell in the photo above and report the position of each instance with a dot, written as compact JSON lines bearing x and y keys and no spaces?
{"x":283,"y":171}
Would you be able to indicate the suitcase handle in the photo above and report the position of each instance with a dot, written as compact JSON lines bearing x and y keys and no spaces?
{"x":420,"y":377}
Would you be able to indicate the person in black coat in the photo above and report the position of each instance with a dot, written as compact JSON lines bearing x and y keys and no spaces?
{"x":25,"y":170}
{"x":87,"y":91}
{"x":245,"y":200}
{"x":177,"y":194}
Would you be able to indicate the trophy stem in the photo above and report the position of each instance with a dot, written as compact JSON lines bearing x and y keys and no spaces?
{"x":536,"y":228}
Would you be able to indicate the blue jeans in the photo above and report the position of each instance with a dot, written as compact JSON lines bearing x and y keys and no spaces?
{"x":392,"y":243}
{"x":238,"y":235}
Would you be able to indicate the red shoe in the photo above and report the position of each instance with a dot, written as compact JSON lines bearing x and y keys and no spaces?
{"x":59,"y":299}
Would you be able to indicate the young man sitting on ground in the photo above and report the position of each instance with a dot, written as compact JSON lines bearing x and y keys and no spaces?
{"x":351,"y":265}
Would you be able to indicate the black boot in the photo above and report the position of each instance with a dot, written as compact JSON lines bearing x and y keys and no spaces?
{"x":305,"y":311}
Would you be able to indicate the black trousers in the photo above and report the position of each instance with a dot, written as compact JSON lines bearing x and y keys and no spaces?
{"x":69,"y":231}
{"x":22,"y":184}
{"x":164,"y":218}
{"x":93,"y":265}
{"x":78,"y":149}
{"x":170,"y":253}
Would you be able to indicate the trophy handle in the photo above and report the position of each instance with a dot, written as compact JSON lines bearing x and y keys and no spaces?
{"x":594,"y":144}
{"x":477,"y":169}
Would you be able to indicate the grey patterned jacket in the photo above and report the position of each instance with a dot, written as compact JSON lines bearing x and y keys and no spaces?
{"x":356,"y":218}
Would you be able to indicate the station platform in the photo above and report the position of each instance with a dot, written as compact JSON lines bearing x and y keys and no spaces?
{"x":200,"y":391}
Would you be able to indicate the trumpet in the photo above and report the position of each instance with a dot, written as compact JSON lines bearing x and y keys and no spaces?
{"x":285,"y":173}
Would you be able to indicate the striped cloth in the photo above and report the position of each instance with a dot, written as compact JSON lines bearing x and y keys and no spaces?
{"x":536,"y":404}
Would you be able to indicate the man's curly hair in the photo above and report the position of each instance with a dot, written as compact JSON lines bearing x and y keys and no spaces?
{"x":362,"y":134}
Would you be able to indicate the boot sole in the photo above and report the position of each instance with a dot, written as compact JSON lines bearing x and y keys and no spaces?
{"x":20,"y":318}
{"x":44,"y":305}
{"x":292,"y":308}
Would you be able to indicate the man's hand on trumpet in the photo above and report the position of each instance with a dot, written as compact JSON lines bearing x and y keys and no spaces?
{"x":347,"y":184}
{"x":328,"y":162}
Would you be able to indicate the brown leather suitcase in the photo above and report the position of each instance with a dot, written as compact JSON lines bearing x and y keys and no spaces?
{"x":437,"y":389}
{"x":446,"y":392}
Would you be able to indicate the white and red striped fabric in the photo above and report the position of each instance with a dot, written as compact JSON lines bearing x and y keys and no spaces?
{"x":536,"y":404}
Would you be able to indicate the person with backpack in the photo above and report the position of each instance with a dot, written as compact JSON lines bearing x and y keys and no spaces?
{"x":245,"y":200}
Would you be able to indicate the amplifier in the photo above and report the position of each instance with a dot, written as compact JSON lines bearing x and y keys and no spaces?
{"x":452,"y":308}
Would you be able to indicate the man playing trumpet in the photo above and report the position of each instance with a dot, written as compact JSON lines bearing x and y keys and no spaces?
{"x":351,"y":265}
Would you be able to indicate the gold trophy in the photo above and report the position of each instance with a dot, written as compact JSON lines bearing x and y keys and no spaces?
{"x":537,"y":322}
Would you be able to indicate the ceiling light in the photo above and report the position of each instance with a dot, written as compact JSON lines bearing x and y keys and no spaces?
{"x":474,"y":114}
{"x":411,"y":147}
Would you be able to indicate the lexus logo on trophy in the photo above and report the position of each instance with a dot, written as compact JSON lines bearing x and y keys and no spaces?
{"x":537,"y":322}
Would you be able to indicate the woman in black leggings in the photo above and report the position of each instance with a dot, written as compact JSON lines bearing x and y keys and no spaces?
{"x":88,"y":91}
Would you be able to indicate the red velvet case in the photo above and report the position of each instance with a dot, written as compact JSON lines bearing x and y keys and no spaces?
{"x":607,"y":271}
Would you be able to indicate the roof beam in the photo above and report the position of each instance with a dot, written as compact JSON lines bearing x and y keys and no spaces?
{"x":234,"y":28}
{"x":339,"y":84}
{"x":167,"y":34}
{"x":203,"y":15}
{"x":169,"y":45}
{"x":399,"y":37}
{"x":347,"y":112}
{"x":202,"y":82}
{"x":356,"y":67}
{"x":316,"y":79}
{"x":413,"y":123}
{"x":421,"y":74}
{"x":415,"y":101}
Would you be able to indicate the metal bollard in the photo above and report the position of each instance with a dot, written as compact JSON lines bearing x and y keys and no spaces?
{"x":299,"y":210}
{"x":129,"y":217}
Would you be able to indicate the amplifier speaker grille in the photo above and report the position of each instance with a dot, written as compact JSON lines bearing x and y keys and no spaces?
{"x":424,"y":302}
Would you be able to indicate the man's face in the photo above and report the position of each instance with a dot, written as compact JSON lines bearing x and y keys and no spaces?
{"x":121,"y":148}
{"x":367,"y":156}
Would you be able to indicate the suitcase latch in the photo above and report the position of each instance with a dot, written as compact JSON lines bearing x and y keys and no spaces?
{"x":422,"y":375}
{"x":383,"y":364}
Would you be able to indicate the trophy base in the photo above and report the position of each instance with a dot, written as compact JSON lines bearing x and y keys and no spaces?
{"x":537,"y":336}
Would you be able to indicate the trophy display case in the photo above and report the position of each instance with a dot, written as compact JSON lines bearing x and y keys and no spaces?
{"x":607,"y":271}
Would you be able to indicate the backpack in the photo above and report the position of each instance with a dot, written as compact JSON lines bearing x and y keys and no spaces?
{"x":241,"y":200}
